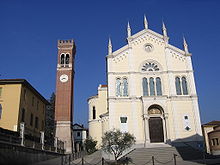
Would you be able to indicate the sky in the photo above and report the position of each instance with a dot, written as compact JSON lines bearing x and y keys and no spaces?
{"x":30,"y":29}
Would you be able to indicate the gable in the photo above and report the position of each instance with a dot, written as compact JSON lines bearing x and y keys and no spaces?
{"x":76,"y":126}
{"x":143,"y":46}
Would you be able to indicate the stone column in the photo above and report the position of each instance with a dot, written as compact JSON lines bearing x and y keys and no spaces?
{"x":22,"y":133}
{"x":146,"y":129}
{"x":55,"y":143}
{"x":164,"y":129}
{"x":167,"y":133}
{"x":42,"y":139}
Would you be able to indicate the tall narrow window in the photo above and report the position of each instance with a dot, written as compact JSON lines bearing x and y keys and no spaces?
{"x":25,"y":92}
{"x":158,"y":86}
{"x":33,"y":101}
{"x":118,"y":87}
{"x":178,"y":87}
{"x":0,"y":111}
{"x":145,"y":87}
{"x":184,"y":86}
{"x":0,"y":91}
{"x":22,"y":115}
{"x":93,"y":113}
{"x":152,"y":89}
{"x":36,"y":122}
{"x":42,"y":125}
{"x":125,"y":87}
{"x":62,"y":59}
{"x":67,"y":60}
{"x":31,"y":119}
{"x":37,"y":105}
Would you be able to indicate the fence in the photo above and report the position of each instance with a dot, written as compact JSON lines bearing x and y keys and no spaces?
{"x":68,"y":160}
{"x":29,"y":141}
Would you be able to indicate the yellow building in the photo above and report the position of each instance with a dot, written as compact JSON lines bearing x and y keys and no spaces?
{"x":20,"y":102}
{"x":150,"y":92}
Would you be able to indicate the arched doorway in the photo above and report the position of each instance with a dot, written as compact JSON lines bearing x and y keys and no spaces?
{"x":156,"y":130}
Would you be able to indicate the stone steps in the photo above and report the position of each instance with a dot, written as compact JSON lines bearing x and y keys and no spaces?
{"x":162,"y":155}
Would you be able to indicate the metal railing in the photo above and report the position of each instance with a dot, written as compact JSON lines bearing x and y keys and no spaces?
{"x":11,"y":137}
{"x":67,"y":160}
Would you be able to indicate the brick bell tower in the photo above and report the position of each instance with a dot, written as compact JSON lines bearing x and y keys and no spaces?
{"x":64,"y":92}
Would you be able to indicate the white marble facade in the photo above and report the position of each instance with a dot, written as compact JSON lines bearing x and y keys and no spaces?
{"x":150,"y":93}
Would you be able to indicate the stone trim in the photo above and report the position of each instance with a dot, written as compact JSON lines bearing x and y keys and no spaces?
{"x":151,"y":73}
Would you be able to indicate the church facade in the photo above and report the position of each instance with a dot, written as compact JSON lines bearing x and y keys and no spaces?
{"x":150,"y":91}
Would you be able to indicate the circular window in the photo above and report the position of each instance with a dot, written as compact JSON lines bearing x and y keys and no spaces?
{"x":148,"y":48}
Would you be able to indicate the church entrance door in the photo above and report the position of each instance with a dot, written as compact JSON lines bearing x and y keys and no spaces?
{"x":156,"y":130}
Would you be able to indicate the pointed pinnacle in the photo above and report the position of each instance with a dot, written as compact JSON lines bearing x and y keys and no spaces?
{"x":128,"y":27}
{"x":164,"y":27}
{"x":109,"y":46}
{"x":109,"y":42}
{"x":129,"y":30}
{"x":145,"y":22}
{"x":184,"y":41}
{"x":185,"y":46}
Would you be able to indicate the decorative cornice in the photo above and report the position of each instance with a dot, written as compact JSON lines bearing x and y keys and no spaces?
{"x":117,"y":52}
{"x":175,"y":49}
{"x":146,"y":98}
{"x":150,"y":73}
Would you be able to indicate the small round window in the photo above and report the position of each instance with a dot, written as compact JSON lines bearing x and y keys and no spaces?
{"x":148,"y":47}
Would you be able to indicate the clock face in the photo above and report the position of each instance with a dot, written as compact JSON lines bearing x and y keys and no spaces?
{"x":63,"y":78}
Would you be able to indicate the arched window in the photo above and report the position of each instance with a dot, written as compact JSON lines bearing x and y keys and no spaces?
{"x":125,"y":87}
{"x":152,"y":90}
{"x":62,"y":59}
{"x":145,"y":87}
{"x":118,"y":87}
{"x":178,"y":87}
{"x":184,"y":86}
{"x":67,"y":61}
{"x":150,"y":66}
{"x":93,"y":113}
{"x":0,"y":111}
{"x":158,"y":86}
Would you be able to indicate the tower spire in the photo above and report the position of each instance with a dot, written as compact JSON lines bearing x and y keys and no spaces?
{"x":185,"y":46}
{"x":145,"y":22}
{"x":129,"y":30}
{"x":109,"y":46}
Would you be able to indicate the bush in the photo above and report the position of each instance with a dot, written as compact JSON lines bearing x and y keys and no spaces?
{"x":90,"y":145}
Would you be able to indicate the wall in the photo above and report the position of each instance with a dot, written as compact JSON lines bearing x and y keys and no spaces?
{"x":10,"y":101}
{"x":15,"y":98}
{"x":100,"y":104}
{"x":35,"y":106}
{"x":15,"y":154}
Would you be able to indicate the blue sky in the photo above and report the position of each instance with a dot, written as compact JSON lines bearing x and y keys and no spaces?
{"x":30,"y":29}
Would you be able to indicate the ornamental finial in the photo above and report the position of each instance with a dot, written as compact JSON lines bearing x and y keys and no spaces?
{"x":164,"y":30}
{"x":185,"y":46}
{"x":109,"y":46}
{"x":145,"y":22}
{"x":129,"y":30}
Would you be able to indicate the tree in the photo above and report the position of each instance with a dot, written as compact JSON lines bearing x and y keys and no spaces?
{"x":115,"y":142}
{"x":50,"y":120}
{"x":90,"y":145}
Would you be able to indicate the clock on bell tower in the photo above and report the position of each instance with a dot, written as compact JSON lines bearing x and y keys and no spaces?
{"x":64,"y":92}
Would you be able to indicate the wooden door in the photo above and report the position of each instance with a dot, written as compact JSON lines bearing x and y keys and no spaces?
{"x":156,"y":130}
